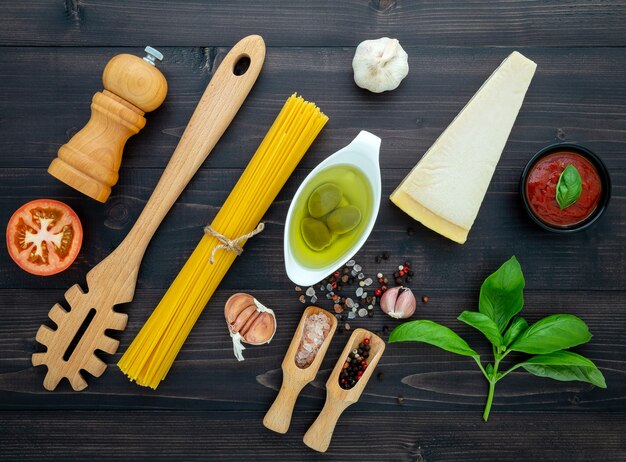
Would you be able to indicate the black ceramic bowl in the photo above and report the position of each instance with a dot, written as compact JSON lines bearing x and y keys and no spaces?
{"x":604,"y":179}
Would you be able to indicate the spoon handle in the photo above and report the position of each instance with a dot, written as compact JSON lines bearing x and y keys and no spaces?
{"x":278,"y":417}
{"x":218,"y":106}
{"x":318,"y":436}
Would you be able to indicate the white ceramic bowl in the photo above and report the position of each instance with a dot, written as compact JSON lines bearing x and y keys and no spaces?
{"x":361,"y":153}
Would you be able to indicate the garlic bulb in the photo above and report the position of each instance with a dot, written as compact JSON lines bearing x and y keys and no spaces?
{"x":398,"y":302}
{"x":380,"y":65}
{"x":248,"y":321}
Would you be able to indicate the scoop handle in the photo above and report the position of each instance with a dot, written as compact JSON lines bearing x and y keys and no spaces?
{"x":319,"y":434}
{"x":278,"y":417}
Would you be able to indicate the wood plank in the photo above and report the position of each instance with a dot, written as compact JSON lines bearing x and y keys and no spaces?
{"x":501,"y":230}
{"x":206,"y":375}
{"x":576,"y":95}
{"x":417,"y":436}
{"x":325,"y":23}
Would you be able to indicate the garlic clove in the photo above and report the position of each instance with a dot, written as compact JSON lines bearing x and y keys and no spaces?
{"x":245,"y":317}
{"x":398,"y":302}
{"x":380,"y":65}
{"x":405,"y":304}
{"x":388,"y":299}
{"x":262,"y":330}
{"x":235,"y":305}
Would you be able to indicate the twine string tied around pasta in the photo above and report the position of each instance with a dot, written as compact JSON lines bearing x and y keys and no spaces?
{"x":230,"y":244}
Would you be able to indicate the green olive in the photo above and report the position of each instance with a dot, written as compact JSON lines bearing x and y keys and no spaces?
{"x":324,"y":199}
{"x":344,"y":219}
{"x":315,"y":233}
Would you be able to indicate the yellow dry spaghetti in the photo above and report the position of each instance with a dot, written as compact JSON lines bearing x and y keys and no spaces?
{"x":152,"y":352}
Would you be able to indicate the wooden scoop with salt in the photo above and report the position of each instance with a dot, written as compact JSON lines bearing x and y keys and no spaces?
{"x":300,"y":367}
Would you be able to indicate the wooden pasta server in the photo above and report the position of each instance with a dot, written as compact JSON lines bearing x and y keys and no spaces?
{"x":338,"y":399}
{"x":278,"y":417}
{"x":113,"y":280}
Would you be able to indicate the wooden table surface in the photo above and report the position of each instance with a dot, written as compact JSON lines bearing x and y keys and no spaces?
{"x":52,"y":53}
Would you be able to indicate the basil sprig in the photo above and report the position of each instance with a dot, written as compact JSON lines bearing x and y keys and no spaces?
{"x":501,"y":299}
{"x":569,"y":187}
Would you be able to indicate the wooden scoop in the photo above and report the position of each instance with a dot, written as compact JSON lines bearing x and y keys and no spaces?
{"x":112,"y":281}
{"x":320,"y":433}
{"x":278,"y":417}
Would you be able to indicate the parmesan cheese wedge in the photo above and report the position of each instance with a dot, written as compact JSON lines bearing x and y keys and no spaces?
{"x":445,"y":189}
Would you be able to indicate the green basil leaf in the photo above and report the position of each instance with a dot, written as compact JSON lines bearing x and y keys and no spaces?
{"x":556,"y":332}
{"x":484,"y":324}
{"x":518,"y":326}
{"x":569,"y":187}
{"x":564,"y":366}
{"x":502,"y":294}
{"x":433,"y":334}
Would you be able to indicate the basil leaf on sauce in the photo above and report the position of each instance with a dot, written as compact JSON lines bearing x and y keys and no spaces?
{"x":569,"y":187}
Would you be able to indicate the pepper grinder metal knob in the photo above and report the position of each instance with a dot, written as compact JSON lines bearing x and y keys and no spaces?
{"x":90,"y":161}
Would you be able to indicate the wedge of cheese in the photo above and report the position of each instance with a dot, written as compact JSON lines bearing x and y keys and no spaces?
{"x":445,"y":189}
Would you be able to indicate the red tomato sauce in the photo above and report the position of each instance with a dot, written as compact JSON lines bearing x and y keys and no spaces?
{"x":541,"y":189}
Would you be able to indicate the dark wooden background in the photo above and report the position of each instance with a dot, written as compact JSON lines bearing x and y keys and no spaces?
{"x":52,"y":53}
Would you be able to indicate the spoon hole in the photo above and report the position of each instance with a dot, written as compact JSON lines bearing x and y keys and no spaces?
{"x":241,"y":66}
{"x":79,"y":334}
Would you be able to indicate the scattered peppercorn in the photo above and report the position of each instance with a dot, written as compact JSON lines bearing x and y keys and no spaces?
{"x":410,"y":231}
{"x":385,"y":255}
{"x":425,"y":299}
{"x":400,"y":399}
{"x":380,"y":376}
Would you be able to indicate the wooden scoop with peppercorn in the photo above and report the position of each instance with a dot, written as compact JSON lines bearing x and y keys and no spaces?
{"x":345,"y":385}
{"x":301,"y":363}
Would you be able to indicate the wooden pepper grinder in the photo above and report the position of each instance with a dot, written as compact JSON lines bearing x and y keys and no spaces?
{"x":89,"y":162}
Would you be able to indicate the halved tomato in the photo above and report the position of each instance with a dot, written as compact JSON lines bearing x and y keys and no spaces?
{"x":44,"y":236}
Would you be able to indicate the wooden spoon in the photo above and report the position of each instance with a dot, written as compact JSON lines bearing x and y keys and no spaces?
{"x":337,"y":399}
{"x":112,"y":281}
{"x":278,"y":417}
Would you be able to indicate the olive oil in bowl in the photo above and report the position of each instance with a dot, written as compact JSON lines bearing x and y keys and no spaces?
{"x":356,"y":193}
{"x":333,"y":212}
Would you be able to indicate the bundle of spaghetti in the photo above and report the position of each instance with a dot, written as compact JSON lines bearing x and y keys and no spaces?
{"x":151,"y":354}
